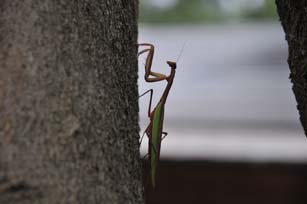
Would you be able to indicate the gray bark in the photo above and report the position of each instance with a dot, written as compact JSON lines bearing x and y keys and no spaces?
{"x":69,"y":102}
{"x":293,"y":16}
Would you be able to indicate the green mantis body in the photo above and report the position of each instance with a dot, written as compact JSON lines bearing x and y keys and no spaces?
{"x":154,"y":130}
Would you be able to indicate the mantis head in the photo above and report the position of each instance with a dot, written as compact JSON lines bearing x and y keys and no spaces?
{"x":173,"y":65}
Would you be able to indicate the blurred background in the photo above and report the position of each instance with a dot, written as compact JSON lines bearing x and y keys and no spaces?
{"x":234,"y":131}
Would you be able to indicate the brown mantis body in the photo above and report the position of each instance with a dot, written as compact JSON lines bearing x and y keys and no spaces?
{"x":154,"y":130}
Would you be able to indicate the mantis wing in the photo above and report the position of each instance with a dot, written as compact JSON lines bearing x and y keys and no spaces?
{"x":156,"y":141}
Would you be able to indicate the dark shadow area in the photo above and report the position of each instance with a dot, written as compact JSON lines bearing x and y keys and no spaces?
{"x":229,"y":182}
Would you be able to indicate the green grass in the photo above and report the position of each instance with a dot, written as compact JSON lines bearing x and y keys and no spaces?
{"x":268,"y":12}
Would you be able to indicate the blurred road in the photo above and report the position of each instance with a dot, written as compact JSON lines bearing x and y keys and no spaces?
{"x":231,"y":98}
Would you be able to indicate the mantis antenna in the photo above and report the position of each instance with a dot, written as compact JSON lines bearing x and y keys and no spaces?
{"x":181,"y":51}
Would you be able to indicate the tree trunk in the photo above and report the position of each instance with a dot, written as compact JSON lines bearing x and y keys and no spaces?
{"x":293,"y":17}
{"x":69,"y":102}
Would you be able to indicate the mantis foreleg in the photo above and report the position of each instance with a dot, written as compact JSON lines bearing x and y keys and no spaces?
{"x":148,"y":64}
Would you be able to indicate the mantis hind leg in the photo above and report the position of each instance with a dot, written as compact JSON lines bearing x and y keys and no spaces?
{"x":150,"y":99}
{"x":146,"y":156}
{"x":142,"y":138}
{"x":165,"y":134}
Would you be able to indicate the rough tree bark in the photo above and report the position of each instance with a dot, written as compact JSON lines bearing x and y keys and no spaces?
{"x":293,"y":16}
{"x":68,"y":102}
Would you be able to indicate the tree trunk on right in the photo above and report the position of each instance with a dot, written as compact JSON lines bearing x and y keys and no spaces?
{"x":293,"y":17}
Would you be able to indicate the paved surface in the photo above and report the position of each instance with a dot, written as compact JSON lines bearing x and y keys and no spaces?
{"x":231,"y":98}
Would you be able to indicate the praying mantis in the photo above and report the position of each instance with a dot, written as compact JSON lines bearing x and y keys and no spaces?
{"x":154,"y":130}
